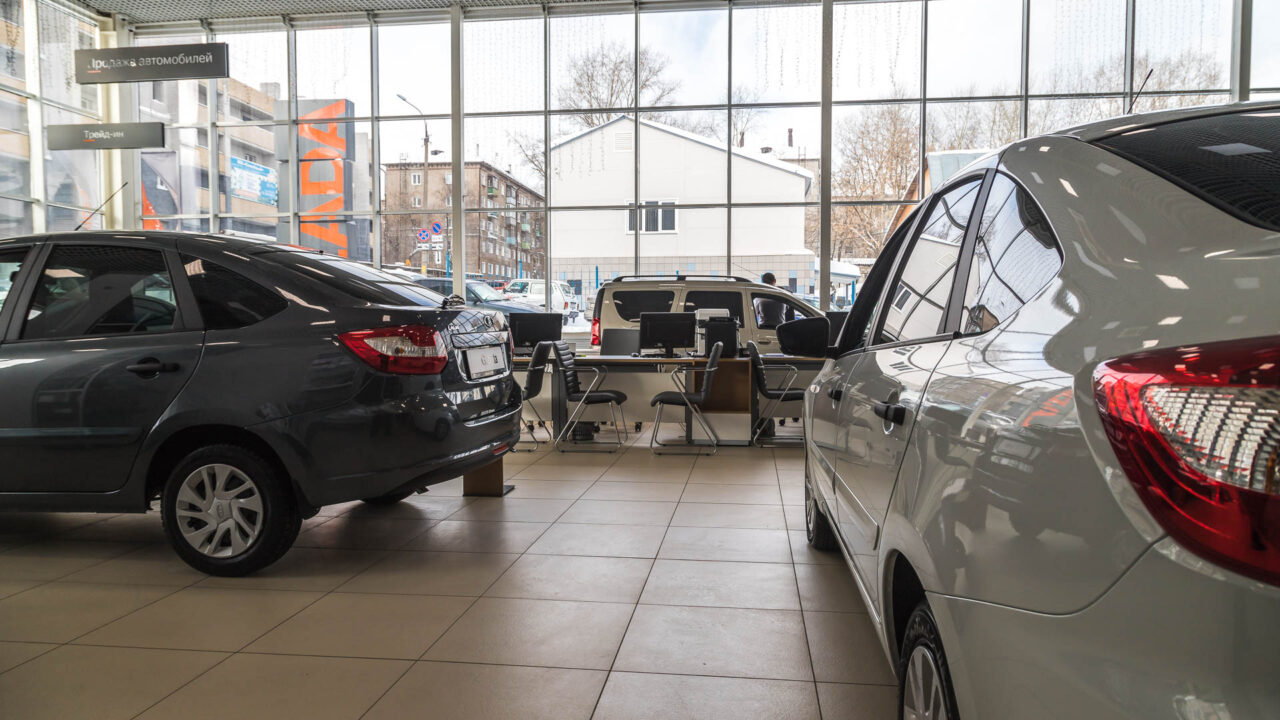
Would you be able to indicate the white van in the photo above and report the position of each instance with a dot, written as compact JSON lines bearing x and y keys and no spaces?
{"x":534,"y":292}
{"x":757,"y":307}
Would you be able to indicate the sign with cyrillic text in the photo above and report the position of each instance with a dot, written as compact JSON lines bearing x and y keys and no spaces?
{"x":105,"y":136}
{"x":155,"y":62}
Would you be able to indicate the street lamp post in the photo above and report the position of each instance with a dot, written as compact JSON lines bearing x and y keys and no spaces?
{"x":427,"y":152}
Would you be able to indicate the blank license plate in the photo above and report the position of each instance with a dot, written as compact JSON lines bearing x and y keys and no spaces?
{"x":486,"y":361}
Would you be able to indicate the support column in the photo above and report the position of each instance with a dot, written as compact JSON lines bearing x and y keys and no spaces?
{"x":824,"y":212}
{"x":1241,"y":49}
{"x":458,"y":234}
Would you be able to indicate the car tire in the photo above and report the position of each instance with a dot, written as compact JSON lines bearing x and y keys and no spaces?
{"x":388,"y":499}
{"x":245,"y":499}
{"x":924,"y":678}
{"x":817,"y":528}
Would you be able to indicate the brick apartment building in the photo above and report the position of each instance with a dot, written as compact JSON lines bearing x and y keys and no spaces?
{"x":503,"y":241}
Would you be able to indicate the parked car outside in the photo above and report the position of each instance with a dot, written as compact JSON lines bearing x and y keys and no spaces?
{"x":242,"y":384}
{"x":479,"y":294}
{"x":534,"y":292}
{"x":1047,"y":439}
{"x":756,"y":306}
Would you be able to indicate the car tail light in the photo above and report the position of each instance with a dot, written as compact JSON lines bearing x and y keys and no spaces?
{"x":404,"y":350}
{"x":595,"y":331}
{"x":1197,"y":431}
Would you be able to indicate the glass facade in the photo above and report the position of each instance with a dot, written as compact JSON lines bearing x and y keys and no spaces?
{"x":599,"y":141}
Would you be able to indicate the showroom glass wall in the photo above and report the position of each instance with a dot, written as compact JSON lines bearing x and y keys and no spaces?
{"x":652,"y":137}
{"x":40,"y":189}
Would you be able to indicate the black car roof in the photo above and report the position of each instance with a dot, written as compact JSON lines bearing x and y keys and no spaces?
{"x":182,"y":240}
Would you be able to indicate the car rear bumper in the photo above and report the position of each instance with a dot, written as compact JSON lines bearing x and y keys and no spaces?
{"x":1166,"y":641}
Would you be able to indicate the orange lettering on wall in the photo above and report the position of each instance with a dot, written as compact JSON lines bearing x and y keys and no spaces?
{"x":332,"y":152}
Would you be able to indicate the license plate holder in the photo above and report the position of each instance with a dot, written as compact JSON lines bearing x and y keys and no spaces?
{"x":485,"y":362}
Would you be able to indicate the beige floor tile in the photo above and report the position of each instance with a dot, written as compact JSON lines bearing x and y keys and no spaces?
{"x":269,"y":687}
{"x":761,"y":517}
{"x":548,"y":471}
{"x":755,"y":475}
{"x":97,"y":682}
{"x":643,"y":459}
{"x":52,"y":559}
{"x":619,"y":512}
{"x":737,"y":494}
{"x":582,"y":459}
{"x":447,"y":489}
{"x":148,"y":565}
{"x":431,"y":573}
{"x":804,"y":554}
{"x":60,"y":612}
{"x":460,"y":691}
{"x":512,"y":510}
{"x":13,"y":587}
{"x":13,"y":654}
{"x":203,"y":619}
{"x":792,"y":494}
{"x":642,"y":696}
{"x":845,"y":649}
{"x":364,"y":533}
{"x":858,"y":702}
{"x":828,"y":588}
{"x":131,"y":528}
{"x":661,"y":492}
{"x":459,"y":536}
{"x":722,"y":584}
{"x":548,"y":489}
{"x":374,"y":626}
{"x":716,"y":641}
{"x":437,"y":507}
{"x":565,"y":577}
{"x":647,"y":473}
{"x":795,"y":516}
{"x":639,"y":541}
{"x":302,"y":568}
{"x":731,"y":544}
{"x":549,"y":633}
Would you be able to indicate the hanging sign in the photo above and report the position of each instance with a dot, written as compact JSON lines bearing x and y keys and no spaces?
{"x":155,"y":62}
{"x":105,"y":136}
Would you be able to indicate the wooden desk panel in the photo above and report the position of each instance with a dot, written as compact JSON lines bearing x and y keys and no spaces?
{"x":732,"y":388}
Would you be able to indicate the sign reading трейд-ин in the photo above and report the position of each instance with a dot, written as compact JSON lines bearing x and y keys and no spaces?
{"x":156,"y":62}
{"x":105,"y":136}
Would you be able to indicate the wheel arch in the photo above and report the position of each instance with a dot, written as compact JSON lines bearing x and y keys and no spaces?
{"x":903,"y":590}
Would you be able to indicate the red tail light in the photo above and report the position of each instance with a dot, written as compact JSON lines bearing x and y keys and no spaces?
{"x":595,"y":331}
{"x":404,"y":350}
{"x":1197,"y":431}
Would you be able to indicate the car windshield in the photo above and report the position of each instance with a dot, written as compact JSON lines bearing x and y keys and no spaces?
{"x":358,"y":281}
{"x":486,"y":293}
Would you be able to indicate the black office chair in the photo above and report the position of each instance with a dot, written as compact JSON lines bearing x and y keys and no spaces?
{"x":775,"y":396}
{"x":574,"y":393}
{"x":533,"y":387}
{"x":691,"y":400}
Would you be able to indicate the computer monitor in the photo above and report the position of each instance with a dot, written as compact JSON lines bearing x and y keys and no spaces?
{"x":836,"y":319}
{"x":529,"y":329}
{"x":667,"y":331}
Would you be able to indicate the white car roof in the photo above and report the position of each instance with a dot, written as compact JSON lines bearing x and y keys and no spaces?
{"x":1102,"y":129}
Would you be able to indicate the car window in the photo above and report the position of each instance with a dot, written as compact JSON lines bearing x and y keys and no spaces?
{"x":101,"y":290}
{"x":1015,"y":255}
{"x":1229,"y":160}
{"x":10,"y":264}
{"x":854,"y":334}
{"x":518,"y":286}
{"x":772,"y":310}
{"x":355,"y":280}
{"x":695,"y":300}
{"x":917,"y":304}
{"x":483,"y":292}
{"x":630,"y":303}
{"x":228,"y":299}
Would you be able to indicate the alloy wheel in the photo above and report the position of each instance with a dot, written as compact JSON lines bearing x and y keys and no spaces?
{"x":923,"y":695}
{"x":219,"y":511}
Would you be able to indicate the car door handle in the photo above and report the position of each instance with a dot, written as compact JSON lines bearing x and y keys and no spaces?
{"x":835,"y":393}
{"x":151,"y":366}
{"x":894,"y":413}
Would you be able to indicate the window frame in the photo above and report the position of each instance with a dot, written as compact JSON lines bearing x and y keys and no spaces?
{"x":629,"y":222}
{"x":18,"y":289}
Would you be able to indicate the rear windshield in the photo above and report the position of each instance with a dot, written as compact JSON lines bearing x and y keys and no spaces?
{"x":1232,"y":161}
{"x":630,"y":303}
{"x":358,"y":281}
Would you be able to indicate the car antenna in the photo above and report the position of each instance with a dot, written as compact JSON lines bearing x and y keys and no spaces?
{"x":104,"y":204}
{"x":1134,"y":101}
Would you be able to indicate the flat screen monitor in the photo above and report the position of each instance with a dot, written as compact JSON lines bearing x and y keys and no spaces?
{"x":529,"y":329}
{"x":836,"y":319}
{"x":667,"y":331}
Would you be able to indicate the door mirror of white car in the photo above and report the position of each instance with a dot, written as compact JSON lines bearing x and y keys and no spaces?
{"x":805,"y":337}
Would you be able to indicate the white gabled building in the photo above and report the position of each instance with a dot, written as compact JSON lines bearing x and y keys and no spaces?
{"x":596,"y":167}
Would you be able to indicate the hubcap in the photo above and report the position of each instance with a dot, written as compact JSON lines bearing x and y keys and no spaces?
{"x":219,"y":511}
{"x":810,"y":507}
{"x":922,"y":697}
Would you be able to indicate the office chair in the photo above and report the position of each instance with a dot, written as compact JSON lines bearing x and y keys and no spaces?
{"x":691,"y":400}
{"x":532,"y":388}
{"x":568,"y":371}
{"x":620,"y":341}
{"x":776,"y":396}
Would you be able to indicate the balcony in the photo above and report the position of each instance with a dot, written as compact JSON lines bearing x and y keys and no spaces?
{"x":524,"y":227}
{"x":491,"y":190}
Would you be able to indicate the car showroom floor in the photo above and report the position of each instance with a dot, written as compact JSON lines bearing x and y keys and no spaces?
{"x":607,"y":586}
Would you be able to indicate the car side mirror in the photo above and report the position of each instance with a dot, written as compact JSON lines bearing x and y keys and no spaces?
{"x":805,"y":337}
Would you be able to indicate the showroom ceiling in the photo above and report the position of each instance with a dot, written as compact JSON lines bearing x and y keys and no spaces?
{"x":163,"y":11}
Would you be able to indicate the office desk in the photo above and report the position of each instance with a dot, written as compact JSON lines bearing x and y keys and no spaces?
{"x":732,"y":408}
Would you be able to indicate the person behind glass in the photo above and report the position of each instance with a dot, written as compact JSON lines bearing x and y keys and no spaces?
{"x":771,"y":313}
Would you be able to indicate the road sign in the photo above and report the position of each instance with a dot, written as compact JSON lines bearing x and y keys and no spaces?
{"x":424,"y":235}
{"x":436,"y":228}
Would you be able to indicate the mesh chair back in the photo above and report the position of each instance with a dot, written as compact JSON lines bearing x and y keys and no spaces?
{"x":537,"y":369}
{"x":709,"y":374}
{"x":567,"y":368}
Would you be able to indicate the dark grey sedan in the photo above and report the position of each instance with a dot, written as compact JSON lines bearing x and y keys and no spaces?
{"x":244,"y":384}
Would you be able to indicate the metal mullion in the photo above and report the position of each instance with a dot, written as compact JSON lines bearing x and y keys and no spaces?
{"x":924,"y":98}
{"x":291,"y":53}
{"x":375,"y":151}
{"x":824,"y":163}
{"x":635,"y":139}
{"x":458,"y":233}
{"x":392,"y":118}
{"x":728,"y":165}
{"x":1025,"y":79}
{"x":18,"y":198}
{"x":546,"y":152}
{"x":214,"y":151}
{"x":1241,"y":49}
{"x":1130,"y":32}
{"x":35,"y":114}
